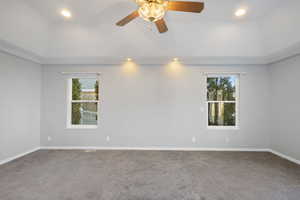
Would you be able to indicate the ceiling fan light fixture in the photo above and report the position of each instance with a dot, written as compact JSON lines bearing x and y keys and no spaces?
{"x":152,"y":11}
{"x":155,"y":10}
{"x":240,"y":12}
{"x":66,"y":13}
{"x":140,"y":2}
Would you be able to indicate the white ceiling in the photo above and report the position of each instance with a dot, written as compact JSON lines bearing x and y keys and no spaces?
{"x":37,"y":25}
{"x":99,"y":10}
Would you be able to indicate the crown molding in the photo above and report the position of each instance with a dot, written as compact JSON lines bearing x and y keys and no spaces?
{"x":286,"y":53}
{"x":11,"y":49}
{"x":278,"y":56}
{"x":155,"y":60}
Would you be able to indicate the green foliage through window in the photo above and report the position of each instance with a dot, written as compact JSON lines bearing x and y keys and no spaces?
{"x":221,"y":98}
{"x":76,"y":89}
{"x":84,"y":105}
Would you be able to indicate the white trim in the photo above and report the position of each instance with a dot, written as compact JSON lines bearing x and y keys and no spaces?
{"x":84,"y":101}
{"x":212,"y":73}
{"x":283,"y":54}
{"x":173,"y":149}
{"x":285,"y":156}
{"x":151,"y":148}
{"x":200,"y":60}
{"x":82,"y":126}
{"x":87,"y":73}
{"x":2,"y":162}
{"x":11,"y":49}
{"x":225,"y":128}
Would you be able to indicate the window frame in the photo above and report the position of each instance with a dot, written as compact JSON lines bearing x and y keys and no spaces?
{"x":237,"y":102}
{"x":70,"y":101}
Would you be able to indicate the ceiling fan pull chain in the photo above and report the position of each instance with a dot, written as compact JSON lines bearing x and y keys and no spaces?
{"x":150,"y":26}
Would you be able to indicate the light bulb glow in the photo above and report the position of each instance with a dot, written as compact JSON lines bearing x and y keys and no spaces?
{"x":152,"y":11}
{"x":129,"y":67}
{"x":175,"y":68}
{"x":66,"y":13}
{"x":240,"y":12}
{"x":140,"y":2}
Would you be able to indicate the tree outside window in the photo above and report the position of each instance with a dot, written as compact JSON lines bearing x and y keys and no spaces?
{"x":222,"y":101}
{"x":84,"y":101}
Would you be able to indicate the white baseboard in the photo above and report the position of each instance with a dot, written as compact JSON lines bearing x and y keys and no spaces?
{"x":18,"y":156}
{"x":285,"y":156}
{"x":172,"y":149}
{"x":152,"y":148}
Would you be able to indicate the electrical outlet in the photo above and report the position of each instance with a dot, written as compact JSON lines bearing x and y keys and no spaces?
{"x":107,"y":138}
{"x":49,"y":138}
{"x":194,"y":139}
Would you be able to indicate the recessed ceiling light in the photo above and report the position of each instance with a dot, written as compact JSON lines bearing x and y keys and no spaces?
{"x":66,"y":13}
{"x":240,"y":12}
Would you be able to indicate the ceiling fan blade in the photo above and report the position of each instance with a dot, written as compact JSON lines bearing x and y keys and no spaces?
{"x":186,"y":6}
{"x":161,"y":26}
{"x":128,"y":19}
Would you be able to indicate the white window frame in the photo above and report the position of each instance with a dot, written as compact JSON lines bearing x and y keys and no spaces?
{"x":70,"y":101}
{"x":237,"y":102}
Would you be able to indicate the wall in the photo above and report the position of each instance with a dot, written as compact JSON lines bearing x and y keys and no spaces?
{"x":285,"y":134}
{"x":20,"y":86}
{"x":156,"y":106}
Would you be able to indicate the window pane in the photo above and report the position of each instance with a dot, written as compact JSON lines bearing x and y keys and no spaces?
{"x":221,"y":88}
{"x":85,"y":89}
{"x":221,"y":114}
{"x":84,"y":113}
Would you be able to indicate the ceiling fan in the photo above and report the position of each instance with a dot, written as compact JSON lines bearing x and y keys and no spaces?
{"x":155,"y":10}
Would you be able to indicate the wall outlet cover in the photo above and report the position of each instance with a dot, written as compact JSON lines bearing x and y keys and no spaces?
{"x":194,"y":139}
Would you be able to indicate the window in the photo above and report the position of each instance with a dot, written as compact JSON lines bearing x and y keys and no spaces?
{"x":222,"y":101}
{"x":83,"y":103}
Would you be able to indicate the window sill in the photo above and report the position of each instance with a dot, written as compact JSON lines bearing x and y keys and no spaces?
{"x":82,"y":127}
{"x":225,"y":128}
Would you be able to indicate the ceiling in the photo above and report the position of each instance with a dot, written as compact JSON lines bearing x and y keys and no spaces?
{"x":93,"y":10}
{"x":37,"y":26}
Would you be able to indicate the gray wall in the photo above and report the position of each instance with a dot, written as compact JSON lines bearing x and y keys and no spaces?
{"x":153,"y":107}
{"x":285,"y":98}
{"x":20,"y":86}
{"x":156,"y":107}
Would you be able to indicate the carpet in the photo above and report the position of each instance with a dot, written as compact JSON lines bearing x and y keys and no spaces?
{"x":149,"y":175}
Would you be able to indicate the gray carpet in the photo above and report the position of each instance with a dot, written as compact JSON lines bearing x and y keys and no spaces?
{"x":149,"y":175}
